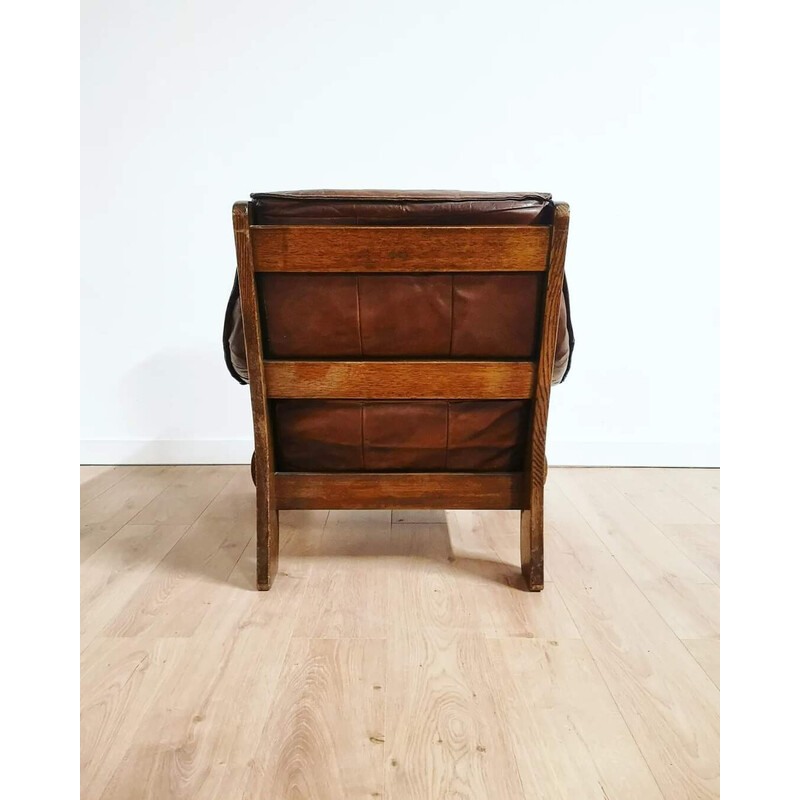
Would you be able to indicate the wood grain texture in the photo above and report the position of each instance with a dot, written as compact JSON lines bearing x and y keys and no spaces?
{"x":109,"y":510}
{"x":685,"y":511}
{"x":668,"y":702}
{"x":113,"y":574}
{"x":389,"y":490}
{"x":531,"y":529}
{"x":394,"y":660}
{"x":656,"y":499}
{"x":700,"y":543}
{"x":706,"y":653}
{"x":489,"y":544}
{"x":267,"y":534}
{"x":327,"y":720}
{"x":174,"y":598}
{"x":445,"y":736}
{"x":684,"y":595}
{"x":367,"y":249}
{"x":97,"y":479}
{"x":410,"y":380}
{"x":347,"y":587}
{"x":306,"y":248}
{"x":699,"y":486}
{"x":553,"y":691}
{"x":184,"y":499}
{"x":199,"y":733}
{"x":120,"y":681}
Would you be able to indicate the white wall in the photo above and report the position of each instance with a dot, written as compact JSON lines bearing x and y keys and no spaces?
{"x":188,"y":106}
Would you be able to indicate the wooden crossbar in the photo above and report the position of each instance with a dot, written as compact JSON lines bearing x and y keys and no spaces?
{"x":376,"y":380}
{"x":308,"y":490}
{"x":492,"y":248}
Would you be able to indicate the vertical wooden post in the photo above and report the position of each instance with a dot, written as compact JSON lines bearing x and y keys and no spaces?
{"x":531,"y":534}
{"x":267,"y":540}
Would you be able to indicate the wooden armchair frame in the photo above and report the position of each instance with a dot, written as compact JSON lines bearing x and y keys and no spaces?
{"x":268,"y":248}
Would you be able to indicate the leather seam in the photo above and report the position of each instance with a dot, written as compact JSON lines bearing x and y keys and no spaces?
{"x":452,"y":317}
{"x":447,"y":437}
{"x":358,"y":318}
{"x":363,"y":459}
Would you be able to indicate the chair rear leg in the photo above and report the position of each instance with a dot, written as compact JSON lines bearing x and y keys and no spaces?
{"x":267,"y":540}
{"x":531,"y":541}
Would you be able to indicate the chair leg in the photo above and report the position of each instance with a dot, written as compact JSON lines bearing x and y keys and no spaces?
{"x":267,"y":536}
{"x":531,"y":541}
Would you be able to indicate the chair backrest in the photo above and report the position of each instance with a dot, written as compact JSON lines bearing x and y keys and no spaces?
{"x":400,"y":346}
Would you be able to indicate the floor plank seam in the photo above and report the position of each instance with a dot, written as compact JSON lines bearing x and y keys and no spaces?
{"x":608,"y":687}
{"x":99,"y":494}
{"x":271,"y":693}
{"x":169,"y":486}
{"x":622,"y":566}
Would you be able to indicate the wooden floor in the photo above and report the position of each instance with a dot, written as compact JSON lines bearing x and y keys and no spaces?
{"x":397,"y":656}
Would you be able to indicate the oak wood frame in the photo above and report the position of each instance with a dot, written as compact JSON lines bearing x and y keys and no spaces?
{"x":412,"y":380}
{"x":413,"y":249}
{"x":334,"y":248}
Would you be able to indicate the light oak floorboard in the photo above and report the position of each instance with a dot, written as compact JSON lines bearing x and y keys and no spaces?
{"x":113,"y":574}
{"x":186,"y":498}
{"x":120,"y":680}
{"x":199,"y":736}
{"x":685,"y":596}
{"x":347,"y":589}
{"x":324,"y":736}
{"x":445,"y":736}
{"x":396,"y":655}
{"x":488,"y":544}
{"x":706,"y":652}
{"x":700,"y":487}
{"x":176,"y":596}
{"x":96,"y":480}
{"x":554,"y":693}
{"x":108,"y":512}
{"x":700,"y":543}
{"x":667,"y":700}
{"x":656,"y":498}
{"x":413,"y":516}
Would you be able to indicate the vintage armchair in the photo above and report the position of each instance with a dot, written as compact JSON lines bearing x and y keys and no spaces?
{"x":400,"y":348}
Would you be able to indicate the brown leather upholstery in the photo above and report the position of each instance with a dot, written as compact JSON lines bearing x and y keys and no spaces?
{"x":457,"y":315}
{"x":422,"y":315}
{"x":401,"y":208}
{"x":423,"y":435}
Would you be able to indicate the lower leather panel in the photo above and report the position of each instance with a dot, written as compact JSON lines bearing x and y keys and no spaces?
{"x":408,"y":436}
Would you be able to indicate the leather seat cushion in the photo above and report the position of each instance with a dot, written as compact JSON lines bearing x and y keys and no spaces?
{"x":328,"y":207}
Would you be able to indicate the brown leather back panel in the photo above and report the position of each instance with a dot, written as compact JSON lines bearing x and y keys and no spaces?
{"x":407,"y":436}
{"x":422,"y":315}
{"x":458,"y":315}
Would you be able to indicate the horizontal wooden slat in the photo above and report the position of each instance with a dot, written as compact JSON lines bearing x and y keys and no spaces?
{"x":374,"y":380}
{"x":299,"y":248}
{"x":307,"y":490}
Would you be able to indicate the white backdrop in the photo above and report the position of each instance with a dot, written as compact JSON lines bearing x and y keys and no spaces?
{"x":188,"y":106}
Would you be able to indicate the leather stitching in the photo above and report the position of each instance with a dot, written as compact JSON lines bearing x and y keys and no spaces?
{"x":358,"y":317}
{"x":452,"y":315}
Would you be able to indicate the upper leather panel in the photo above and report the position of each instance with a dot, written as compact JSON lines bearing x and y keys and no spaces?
{"x":353,"y":207}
